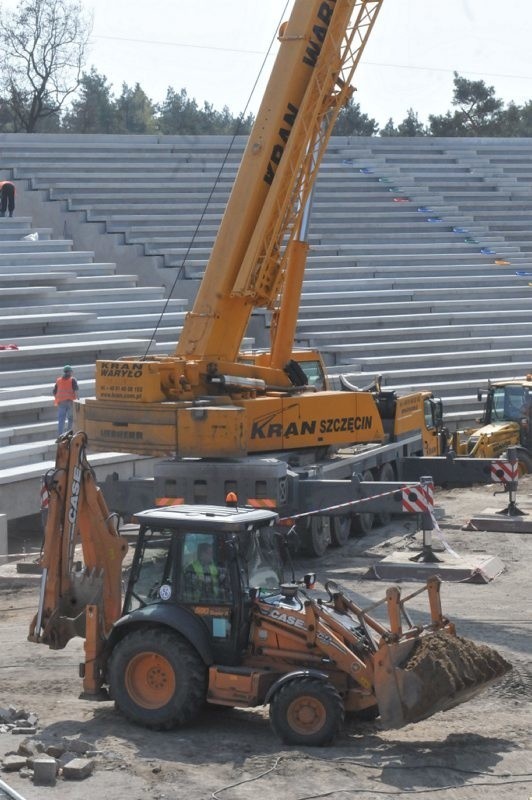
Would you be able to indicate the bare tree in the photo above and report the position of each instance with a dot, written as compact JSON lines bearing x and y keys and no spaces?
{"x":42,"y":54}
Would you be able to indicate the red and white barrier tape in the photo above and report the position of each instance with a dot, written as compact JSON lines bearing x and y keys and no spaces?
{"x":414,"y":499}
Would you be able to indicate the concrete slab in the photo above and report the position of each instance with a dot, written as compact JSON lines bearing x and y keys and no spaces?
{"x":491,"y":520}
{"x":466,"y":568}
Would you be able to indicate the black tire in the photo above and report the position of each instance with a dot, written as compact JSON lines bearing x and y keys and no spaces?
{"x":157,"y":679}
{"x":307,"y":711}
{"x":340,"y":530}
{"x":317,"y":536}
{"x":386,"y":475}
{"x":362,"y":524}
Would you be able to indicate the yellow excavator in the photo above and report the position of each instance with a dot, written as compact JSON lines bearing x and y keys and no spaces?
{"x":208,"y":617}
{"x":506,"y":422}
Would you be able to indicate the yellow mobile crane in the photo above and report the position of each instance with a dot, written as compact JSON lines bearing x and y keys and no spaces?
{"x":207,"y":400}
{"x":261,"y":424}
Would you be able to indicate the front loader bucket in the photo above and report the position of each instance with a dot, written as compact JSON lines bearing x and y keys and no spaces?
{"x":418,"y":677}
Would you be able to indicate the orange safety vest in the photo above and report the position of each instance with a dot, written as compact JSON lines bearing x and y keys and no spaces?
{"x":64,"y":390}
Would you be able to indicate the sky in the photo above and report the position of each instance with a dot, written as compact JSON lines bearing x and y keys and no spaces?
{"x":215,"y":49}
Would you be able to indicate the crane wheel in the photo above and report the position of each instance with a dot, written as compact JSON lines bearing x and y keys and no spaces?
{"x":157,"y":678}
{"x":307,"y":711}
{"x":362,"y":524}
{"x":340,"y":530}
{"x":315,"y":532}
{"x":386,"y":475}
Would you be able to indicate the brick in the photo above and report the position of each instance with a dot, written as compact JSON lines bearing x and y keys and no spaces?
{"x":13,"y":763}
{"x":23,"y":731}
{"x":77,"y":745}
{"x":44,"y":771}
{"x":30,"y":747}
{"x":78,"y":769}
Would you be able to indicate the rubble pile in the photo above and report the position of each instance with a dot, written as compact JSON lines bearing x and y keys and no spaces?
{"x":44,"y":762}
{"x":18,"y":721}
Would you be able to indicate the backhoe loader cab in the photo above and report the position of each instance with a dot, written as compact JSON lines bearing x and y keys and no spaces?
{"x":198,"y":566}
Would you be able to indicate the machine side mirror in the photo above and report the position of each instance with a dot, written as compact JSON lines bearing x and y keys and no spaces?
{"x":479,"y":395}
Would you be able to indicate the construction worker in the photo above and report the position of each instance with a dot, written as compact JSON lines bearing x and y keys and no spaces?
{"x":202,"y":577}
{"x":7,"y":198}
{"x":65,"y":392}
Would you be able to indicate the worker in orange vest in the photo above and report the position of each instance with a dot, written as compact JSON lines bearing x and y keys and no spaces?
{"x":65,"y":392}
{"x":7,"y":198}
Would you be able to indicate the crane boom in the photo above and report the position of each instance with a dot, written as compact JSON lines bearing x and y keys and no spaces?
{"x":320,"y":48}
{"x":259,"y":402}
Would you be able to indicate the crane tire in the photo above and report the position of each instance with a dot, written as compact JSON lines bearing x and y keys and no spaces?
{"x":307,"y":711}
{"x":316,"y":535}
{"x":386,"y":475}
{"x":362,"y":524}
{"x":340,"y":530}
{"x":157,"y":679}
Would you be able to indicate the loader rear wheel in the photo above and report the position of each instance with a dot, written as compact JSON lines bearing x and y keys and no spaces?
{"x":157,"y":678}
{"x":386,"y":475}
{"x":363,"y":523}
{"x":340,"y":530}
{"x":307,"y":711}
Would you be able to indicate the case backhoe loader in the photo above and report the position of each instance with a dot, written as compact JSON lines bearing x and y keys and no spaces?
{"x":208,"y":617}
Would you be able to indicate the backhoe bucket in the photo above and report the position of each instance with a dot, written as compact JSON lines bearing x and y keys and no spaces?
{"x":418,"y":677}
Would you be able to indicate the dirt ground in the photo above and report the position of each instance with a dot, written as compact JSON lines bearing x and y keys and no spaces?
{"x":481,"y":748}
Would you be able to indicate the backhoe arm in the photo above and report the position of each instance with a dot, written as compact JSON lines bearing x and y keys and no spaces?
{"x":72,"y":590}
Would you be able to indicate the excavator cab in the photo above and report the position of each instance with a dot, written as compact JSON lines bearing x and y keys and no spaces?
{"x":203,"y":564}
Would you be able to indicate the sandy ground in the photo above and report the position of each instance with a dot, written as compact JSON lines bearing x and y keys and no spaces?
{"x":481,"y":748}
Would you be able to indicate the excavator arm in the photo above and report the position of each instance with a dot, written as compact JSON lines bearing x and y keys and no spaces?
{"x":81,"y":559}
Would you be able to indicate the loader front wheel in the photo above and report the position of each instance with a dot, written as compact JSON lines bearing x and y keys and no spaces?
{"x":307,"y":711}
{"x":157,"y":678}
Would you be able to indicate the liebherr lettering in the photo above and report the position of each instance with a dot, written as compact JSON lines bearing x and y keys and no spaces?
{"x":266,"y":429}
{"x":319,"y":31}
{"x":278,"y":149}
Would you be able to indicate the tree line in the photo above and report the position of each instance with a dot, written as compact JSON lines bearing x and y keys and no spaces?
{"x":44,"y":87}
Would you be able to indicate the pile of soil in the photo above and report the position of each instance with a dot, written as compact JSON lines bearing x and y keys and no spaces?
{"x":450,"y":669}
